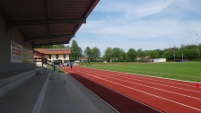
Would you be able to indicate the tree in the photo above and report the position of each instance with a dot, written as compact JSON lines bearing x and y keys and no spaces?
{"x":79,"y":52}
{"x":185,"y":52}
{"x":117,"y":54}
{"x":95,"y":53}
{"x":140,"y":53}
{"x":59,"y":46}
{"x":131,"y":55}
{"x":87,"y":53}
{"x":108,"y":54}
{"x":158,"y":53}
{"x":67,"y":46}
{"x":76,"y":51}
{"x":189,"y":51}
{"x":122,"y":56}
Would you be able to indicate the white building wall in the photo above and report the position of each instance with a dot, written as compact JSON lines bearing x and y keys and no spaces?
{"x":159,"y":60}
{"x":61,"y":57}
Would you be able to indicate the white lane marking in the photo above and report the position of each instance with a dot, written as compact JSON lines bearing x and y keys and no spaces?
{"x":129,"y":71}
{"x":170,"y":80}
{"x":150,"y":86}
{"x":175,"y":81}
{"x":194,"y":108}
{"x":155,"y":88}
{"x":168,"y":74}
{"x":162,"y":84}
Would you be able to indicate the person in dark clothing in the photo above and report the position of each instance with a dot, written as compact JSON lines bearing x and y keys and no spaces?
{"x":71,"y":64}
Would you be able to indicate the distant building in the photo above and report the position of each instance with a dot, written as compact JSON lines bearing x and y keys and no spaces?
{"x":144,"y":59}
{"x":83,"y":59}
{"x":159,"y":60}
{"x":53,"y":54}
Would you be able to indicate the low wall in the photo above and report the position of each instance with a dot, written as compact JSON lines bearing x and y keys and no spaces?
{"x":9,"y":83}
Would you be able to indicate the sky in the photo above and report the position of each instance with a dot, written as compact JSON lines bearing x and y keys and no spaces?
{"x":141,"y":24}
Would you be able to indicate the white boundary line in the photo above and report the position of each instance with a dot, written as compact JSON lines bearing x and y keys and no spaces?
{"x":169,"y":100}
{"x":165,"y":85}
{"x":168,"y":74}
{"x":154,"y":88}
{"x":125,"y":96}
{"x":152,"y":82}
{"x":151,"y":76}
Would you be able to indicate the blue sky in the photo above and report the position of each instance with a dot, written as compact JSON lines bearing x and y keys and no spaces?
{"x":141,"y":24}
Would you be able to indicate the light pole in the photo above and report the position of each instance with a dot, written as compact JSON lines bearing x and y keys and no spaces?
{"x":182,"y":55}
{"x":53,"y":53}
{"x":196,"y":40}
{"x":53,"y":59}
{"x":77,"y":55}
{"x":197,"y":50}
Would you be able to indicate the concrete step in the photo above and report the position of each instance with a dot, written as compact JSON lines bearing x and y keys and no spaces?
{"x":66,"y":95}
{"x":27,"y":97}
{"x":10,"y":80}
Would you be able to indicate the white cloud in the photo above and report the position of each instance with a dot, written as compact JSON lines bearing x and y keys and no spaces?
{"x":149,"y":28}
{"x":149,"y":8}
{"x":134,"y":8}
{"x":142,"y":24}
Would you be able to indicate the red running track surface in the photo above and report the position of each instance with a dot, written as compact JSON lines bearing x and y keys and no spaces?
{"x":166,"y":95}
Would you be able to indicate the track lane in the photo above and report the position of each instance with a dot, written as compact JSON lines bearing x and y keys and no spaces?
{"x":183,"y":85}
{"x":120,"y":102}
{"x":167,"y":88}
{"x":126,"y":87}
{"x":152,"y":78}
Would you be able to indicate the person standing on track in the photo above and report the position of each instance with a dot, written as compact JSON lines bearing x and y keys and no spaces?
{"x":71,"y":65}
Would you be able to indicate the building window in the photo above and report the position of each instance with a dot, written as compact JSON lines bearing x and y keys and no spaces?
{"x":57,"y":56}
{"x":64,"y":56}
{"x":49,"y":56}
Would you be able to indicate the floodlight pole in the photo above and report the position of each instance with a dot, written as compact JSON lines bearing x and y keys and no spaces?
{"x":197,"y":40}
{"x":53,"y":53}
{"x":197,"y":51}
{"x":77,"y":54}
{"x":182,"y":55}
{"x":53,"y":59}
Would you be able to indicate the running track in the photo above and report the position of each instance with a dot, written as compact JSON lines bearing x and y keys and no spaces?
{"x":165,"y":95}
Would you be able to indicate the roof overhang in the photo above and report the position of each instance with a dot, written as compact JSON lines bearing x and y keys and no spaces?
{"x":46,"y":22}
{"x":53,"y":51}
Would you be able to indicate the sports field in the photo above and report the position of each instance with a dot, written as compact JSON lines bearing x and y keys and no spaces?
{"x":190,"y":71}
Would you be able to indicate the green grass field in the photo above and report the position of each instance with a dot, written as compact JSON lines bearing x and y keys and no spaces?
{"x":190,"y":71}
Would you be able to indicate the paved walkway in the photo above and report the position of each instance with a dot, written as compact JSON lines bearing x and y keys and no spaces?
{"x":65,"y":94}
{"x":52,"y":93}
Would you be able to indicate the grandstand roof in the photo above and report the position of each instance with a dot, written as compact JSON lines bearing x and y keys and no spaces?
{"x":46,"y":22}
{"x":53,"y":51}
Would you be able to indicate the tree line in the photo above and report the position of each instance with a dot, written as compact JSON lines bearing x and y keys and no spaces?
{"x":184,"y":52}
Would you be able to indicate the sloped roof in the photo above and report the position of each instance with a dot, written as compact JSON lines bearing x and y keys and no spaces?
{"x":53,"y":51}
{"x":46,"y":22}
